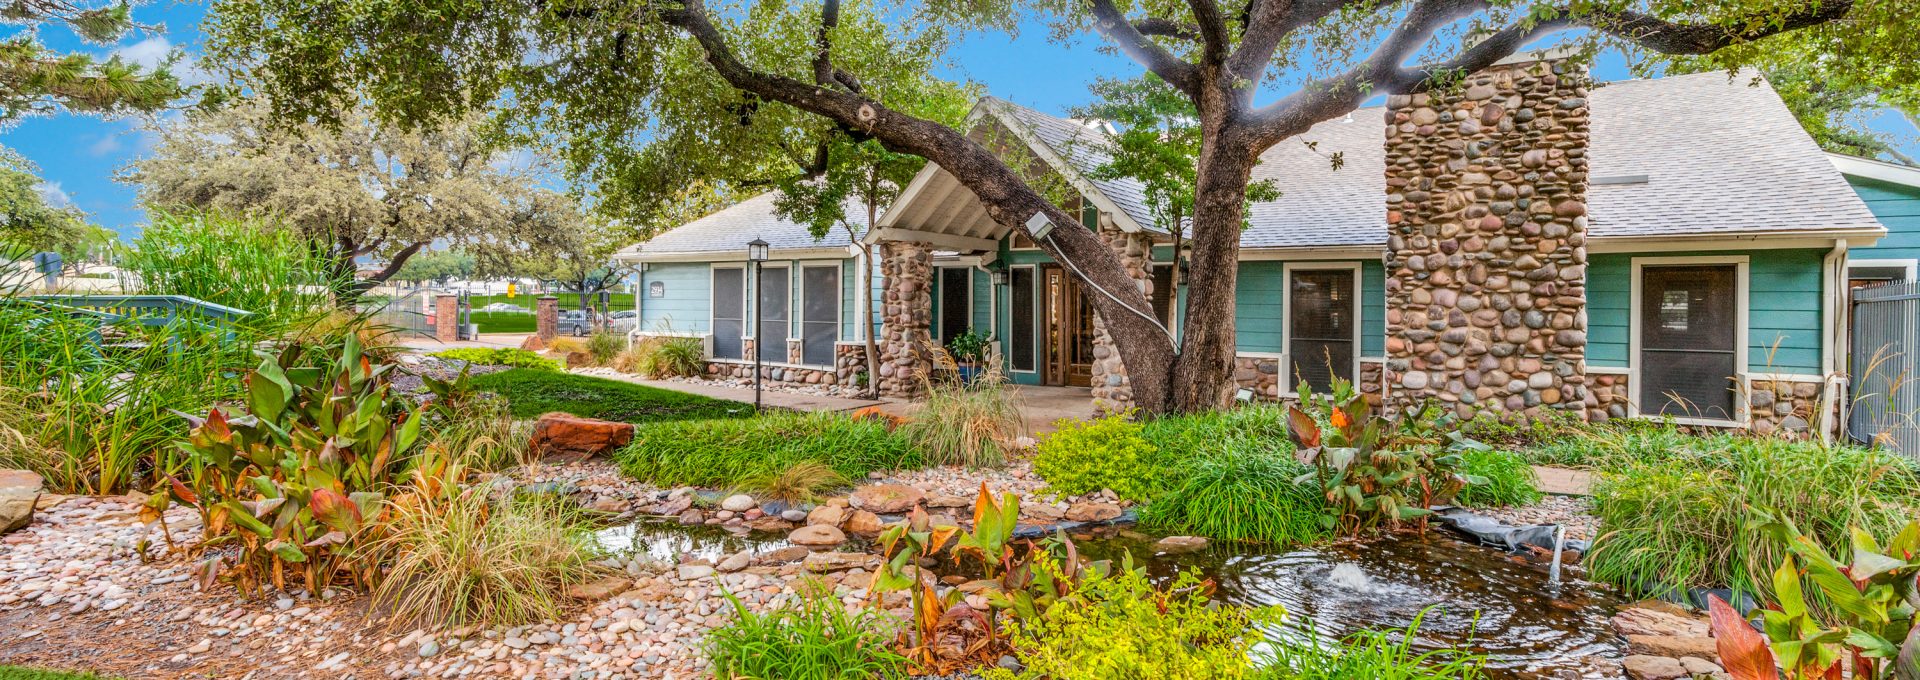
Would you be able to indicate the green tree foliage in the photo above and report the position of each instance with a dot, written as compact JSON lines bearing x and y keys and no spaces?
{"x":643,"y":98}
{"x":437,"y":265}
{"x":29,"y":222}
{"x":353,"y":190}
{"x":34,"y":79}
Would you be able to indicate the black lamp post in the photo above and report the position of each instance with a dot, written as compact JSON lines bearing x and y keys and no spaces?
{"x":756,"y":253}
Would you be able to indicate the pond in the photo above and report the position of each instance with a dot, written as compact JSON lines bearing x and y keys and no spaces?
{"x":1472,"y":595}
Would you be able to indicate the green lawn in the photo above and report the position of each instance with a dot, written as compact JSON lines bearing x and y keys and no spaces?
{"x":533,"y":392}
{"x":509,"y":322}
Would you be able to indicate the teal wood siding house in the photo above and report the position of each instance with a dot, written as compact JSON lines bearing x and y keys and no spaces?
{"x":1675,"y":247}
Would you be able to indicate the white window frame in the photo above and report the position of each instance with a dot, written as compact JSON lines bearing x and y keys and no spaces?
{"x":1742,"y":304}
{"x":1285,"y":373}
{"x":745,"y":312}
{"x":840,"y":309}
{"x":1033,"y":282}
{"x":1912,"y":266}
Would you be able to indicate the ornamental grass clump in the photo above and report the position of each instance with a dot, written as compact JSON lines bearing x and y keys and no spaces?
{"x":811,"y":637}
{"x":605,"y":345}
{"x":801,"y":483}
{"x":720,"y":453}
{"x":1686,"y":518}
{"x":471,"y":559}
{"x":1242,"y":496}
{"x":669,"y":357}
{"x":967,"y":422}
{"x":1370,"y":654}
{"x":1503,"y":480}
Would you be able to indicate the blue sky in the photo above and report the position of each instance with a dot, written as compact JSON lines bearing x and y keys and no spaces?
{"x":79,"y":155}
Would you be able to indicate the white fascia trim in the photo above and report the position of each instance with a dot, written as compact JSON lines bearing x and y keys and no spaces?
{"x":1609,"y":370}
{"x":1911,"y":265}
{"x":1821,"y":239}
{"x":919,"y":183}
{"x":990,"y":106}
{"x":1784,"y":377}
{"x":961,"y":243}
{"x":1878,"y":170}
{"x":741,"y":256}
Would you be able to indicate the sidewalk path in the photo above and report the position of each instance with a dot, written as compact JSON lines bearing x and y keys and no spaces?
{"x":1561,"y":481}
{"x":488,"y":340}
{"x":776,"y":398}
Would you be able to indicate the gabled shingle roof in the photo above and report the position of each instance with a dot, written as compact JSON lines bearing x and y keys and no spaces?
{"x":730,"y":228}
{"x":1084,"y":146}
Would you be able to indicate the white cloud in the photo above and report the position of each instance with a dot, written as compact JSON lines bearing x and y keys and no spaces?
{"x":53,"y":194}
{"x":107,"y":144}
{"x":155,"y":50}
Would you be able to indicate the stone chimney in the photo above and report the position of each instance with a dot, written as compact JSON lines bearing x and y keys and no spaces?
{"x":1486,"y":242}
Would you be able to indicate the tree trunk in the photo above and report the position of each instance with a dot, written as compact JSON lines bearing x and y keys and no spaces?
{"x":1203,"y":373}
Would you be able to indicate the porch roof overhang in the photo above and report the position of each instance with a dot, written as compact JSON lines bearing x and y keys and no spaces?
{"x":936,"y":209}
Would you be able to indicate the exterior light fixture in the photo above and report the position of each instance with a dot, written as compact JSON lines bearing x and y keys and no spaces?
{"x":1039,"y":226}
{"x":757,"y":250}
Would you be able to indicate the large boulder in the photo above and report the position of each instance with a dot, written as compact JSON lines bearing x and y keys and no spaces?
{"x":19,"y":490}
{"x":533,"y":343}
{"x":565,"y":434}
{"x":886,"y":499}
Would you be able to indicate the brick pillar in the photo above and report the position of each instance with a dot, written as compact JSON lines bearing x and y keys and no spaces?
{"x":546,"y":317}
{"x":446,"y":318}
{"x":905,"y":359}
{"x":1111,"y":391}
{"x":1486,"y":242}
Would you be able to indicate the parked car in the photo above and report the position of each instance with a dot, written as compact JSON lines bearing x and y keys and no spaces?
{"x":574,"y":322}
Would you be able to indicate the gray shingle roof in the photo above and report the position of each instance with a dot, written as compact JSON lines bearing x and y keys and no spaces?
{"x":1720,"y":157}
{"x":730,"y":228}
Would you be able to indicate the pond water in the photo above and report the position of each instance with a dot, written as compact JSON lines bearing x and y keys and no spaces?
{"x":1471,"y":595}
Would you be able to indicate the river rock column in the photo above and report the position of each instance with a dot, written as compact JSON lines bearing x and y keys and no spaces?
{"x":1112,"y":393}
{"x":546,"y":318}
{"x":905,"y":358}
{"x":1486,"y":242}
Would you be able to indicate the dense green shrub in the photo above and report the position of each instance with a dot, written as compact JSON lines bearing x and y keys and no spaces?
{"x":1613,"y":444}
{"x":1370,"y":654}
{"x":1683,"y":517}
{"x":266,"y":269}
{"x":1087,"y":456}
{"x":500,"y":356}
{"x":468,"y":559}
{"x":721,"y":453}
{"x":1251,"y":497}
{"x":664,"y":357}
{"x":814,"y":637}
{"x":1503,"y":480}
{"x":535,"y":391}
{"x":1121,"y":626}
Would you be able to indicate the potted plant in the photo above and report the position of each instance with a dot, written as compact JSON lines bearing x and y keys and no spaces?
{"x":969,"y":349}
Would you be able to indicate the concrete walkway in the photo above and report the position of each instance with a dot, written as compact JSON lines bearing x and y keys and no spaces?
{"x":1561,"y":481}
{"x":774,"y":398}
{"x":487,"y":340}
{"x":1040,"y":406}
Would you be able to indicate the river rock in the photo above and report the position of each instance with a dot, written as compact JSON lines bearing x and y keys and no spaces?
{"x":1642,"y":667}
{"x":794,"y":515}
{"x":565,"y":434}
{"x":817,"y":534}
{"x":1180,"y":544}
{"x":863,"y":523}
{"x":1672,"y":645}
{"x":886,"y":499}
{"x":737,"y":503}
{"x":827,"y":515}
{"x":599,"y":589}
{"x":735,"y":562}
{"x":822,"y":562}
{"x":19,"y":490}
{"x":1093,"y":512}
{"x":792,"y":553}
{"x":1642,"y":620}
{"x":691,"y":572}
{"x":1043,"y":512}
{"x":948,"y":502}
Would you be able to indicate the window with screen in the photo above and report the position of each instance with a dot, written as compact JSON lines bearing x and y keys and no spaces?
{"x":729,"y":312}
{"x":820,"y":314}
{"x":956,"y":316}
{"x":1020,"y":331}
{"x":1163,"y":293}
{"x":1321,"y":313}
{"x":770,"y":335}
{"x":1689,"y":341}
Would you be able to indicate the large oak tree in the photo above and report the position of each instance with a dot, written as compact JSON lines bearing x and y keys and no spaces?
{"x":616,"y":77}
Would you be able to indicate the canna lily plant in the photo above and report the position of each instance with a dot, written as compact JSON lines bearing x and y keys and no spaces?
{"x":992,"y":537}
{"x":1872,"y":596}
{"x":299,"y":478}
{"x":1365,"y":466}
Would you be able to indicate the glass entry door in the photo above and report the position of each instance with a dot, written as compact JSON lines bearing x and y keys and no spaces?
{"x":1069,"y":331}
{"x":1689,"y":341}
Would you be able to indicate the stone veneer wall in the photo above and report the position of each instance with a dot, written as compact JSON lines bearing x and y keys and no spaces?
{"x":1784,"y":407}
{"x":1111,"y":391}
{"x":1486,"y":250}
{"x":849,"y":360}
{"x":1262,"y":375}
{"x":907,"y":272}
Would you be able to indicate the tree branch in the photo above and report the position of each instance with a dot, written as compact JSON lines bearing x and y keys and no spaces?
{"x":1265,"y":27}
{"x":1689,"y":38}
{"x":1213,"y":31}
{"x":1111,"y":23}
{"x":1167,"y":28}
{"x":398,"y":260}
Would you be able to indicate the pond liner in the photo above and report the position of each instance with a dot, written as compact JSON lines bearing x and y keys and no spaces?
{"x":1492,"y":532}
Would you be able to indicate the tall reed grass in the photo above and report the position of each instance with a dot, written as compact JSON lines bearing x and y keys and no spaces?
{"x":245,"y":263}
{"x":1682,"y":517}
{"x":971,"y":423}
{"x":1242,"y":496}
{"x":473,"y":560}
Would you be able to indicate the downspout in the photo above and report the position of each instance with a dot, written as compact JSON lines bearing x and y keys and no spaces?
{"x":1832,"y":354}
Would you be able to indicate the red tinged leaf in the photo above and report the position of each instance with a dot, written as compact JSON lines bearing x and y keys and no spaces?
{"x":216,"y":425}
{"x":1743,"y":651}
{"x":182,"y":493}
{"x":334,"y":510}
{"x":1302,"y":428}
